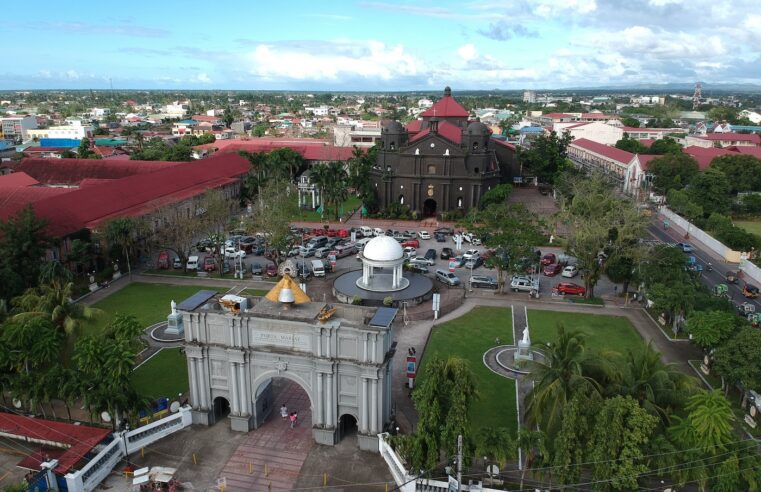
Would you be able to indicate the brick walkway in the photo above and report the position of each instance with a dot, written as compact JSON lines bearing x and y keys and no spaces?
{"x":274,"y":445}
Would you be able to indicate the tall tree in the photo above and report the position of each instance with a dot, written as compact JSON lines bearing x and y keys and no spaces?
{"x":739,"y":359}
{"x":666,"y":145}
{"x":710,"y":329}
{"x":708,"y":425}
{"x":742,"y":171}
{"x":672,"y":171}
{"x":178,"y":228}
{"x":547,"y":157}
{"x":534,"y":443}
{"x":272,"y":216}
{"x":121,"y":234}
{"x":631,"y":145}
{"x":22,"y":248}
{"x":710,"y":190}
{"x":215,"y":219}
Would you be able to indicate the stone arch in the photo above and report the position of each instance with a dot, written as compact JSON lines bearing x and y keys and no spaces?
{"x":263,"y":377}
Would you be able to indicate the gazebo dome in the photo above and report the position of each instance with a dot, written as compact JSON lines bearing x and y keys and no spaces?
{"x":383,"y":248}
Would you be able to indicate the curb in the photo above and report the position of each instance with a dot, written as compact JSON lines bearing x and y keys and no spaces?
{"x":665,"y":335}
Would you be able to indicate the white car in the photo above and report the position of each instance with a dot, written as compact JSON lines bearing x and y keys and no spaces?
{"x":424,"y":235}
{"x":466,"y":236}
{"x":410,"y":252}
{"x":231,"y":252}
{"x":471,"y":253}
{"x":570,"y":271}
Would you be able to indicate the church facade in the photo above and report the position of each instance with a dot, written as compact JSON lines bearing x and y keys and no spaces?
{"x":440,"y":163}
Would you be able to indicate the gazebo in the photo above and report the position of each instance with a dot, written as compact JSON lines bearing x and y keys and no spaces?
{"x":382,"y":262}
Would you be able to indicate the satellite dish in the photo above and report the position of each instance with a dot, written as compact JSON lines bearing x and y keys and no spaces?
{"x":105,"y":417}
{"x":174,"y":406}
{"x":16,"y":403}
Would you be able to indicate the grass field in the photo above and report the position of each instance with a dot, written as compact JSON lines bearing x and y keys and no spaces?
{"x":352,"y":203}
{"x":165,"y":374}
{"x":254,"y":292}
{"x":469,"y":337}
{"x":149,"y":303}
{"x":752,"y":226}
{"x":603,"y":332}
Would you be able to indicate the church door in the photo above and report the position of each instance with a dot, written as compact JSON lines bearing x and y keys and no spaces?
{"x":429,"y":208}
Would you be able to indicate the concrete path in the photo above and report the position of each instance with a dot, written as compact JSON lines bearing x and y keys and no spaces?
{"x":270,"y":458}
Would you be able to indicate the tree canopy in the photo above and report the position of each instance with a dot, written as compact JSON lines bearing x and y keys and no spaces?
{"x":22,"y":248}
{"x":742,"y":171}
{"x":547,"y":157}
{"x":672,"y":171}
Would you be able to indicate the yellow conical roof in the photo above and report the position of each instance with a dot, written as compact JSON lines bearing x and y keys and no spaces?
{"x":287,"y":282}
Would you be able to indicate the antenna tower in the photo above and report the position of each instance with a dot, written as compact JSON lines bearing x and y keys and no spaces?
{"x":696,"y":96}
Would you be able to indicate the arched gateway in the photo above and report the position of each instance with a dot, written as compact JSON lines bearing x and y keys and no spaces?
{"x":339,"y":355}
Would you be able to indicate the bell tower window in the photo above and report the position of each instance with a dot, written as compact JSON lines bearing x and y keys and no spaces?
{"x":431,"y":169}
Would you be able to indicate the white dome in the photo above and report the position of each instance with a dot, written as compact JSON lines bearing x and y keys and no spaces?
{"x":383,"y":248}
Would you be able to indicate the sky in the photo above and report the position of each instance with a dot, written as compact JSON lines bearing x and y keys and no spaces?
{"x":379,"y":45}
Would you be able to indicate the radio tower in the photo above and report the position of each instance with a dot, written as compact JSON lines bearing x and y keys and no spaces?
{"x":696,"y":97}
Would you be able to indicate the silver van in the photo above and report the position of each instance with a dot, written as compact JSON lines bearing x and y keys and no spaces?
{"x":192,"y":263}
{"x":318,"y":268}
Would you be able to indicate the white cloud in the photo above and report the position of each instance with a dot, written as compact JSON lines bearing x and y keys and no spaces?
{"x":468,"y":52}
{"x":333,"y":61}
{"x":202,"y":78}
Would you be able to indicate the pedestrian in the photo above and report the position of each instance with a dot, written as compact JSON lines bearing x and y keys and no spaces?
{"x":284,"y":411}
{"x":293,"y":418}
{"x":615,"y":290}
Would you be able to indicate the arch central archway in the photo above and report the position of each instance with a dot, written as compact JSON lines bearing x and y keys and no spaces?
{"x":429,"y":208}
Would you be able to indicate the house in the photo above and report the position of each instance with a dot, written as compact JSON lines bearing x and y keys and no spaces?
{"x":597,"y":131}
{"x":595,"y":156}
{"x":724,"y":139}
{"x":75,"y":131}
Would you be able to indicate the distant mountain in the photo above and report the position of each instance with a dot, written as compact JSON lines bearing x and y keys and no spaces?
{"x":676,"y":87}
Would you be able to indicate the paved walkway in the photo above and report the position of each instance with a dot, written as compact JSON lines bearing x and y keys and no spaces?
{"x":270,"y":458}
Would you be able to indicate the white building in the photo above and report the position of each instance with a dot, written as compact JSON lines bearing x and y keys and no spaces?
{"x":754,"y":117}
{"x":529,"y":96}
{"x":17,"y":127}
{"x":77,"y":132}
{"x":319,"y":110}
{"x":350,"y":136}
{"x":177,"y":109}
{"x":424,"y":103}
{"x":100,"y":112}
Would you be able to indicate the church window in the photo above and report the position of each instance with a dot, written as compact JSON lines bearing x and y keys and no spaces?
{"x":459,"y":202}
{"x":431,"y":169}
{"x":401,"y":199}
{"x":476,"y":170}
{"x":392,"y":145}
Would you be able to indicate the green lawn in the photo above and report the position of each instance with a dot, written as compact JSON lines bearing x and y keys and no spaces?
{"x":469,"y":337}
{"x":165,"y":374}
{"x":352,"y":203}
{"x":603,"y":332}
{"x":149,"y":303}
{"x":255,"y":292}
{"x":752,"y":226}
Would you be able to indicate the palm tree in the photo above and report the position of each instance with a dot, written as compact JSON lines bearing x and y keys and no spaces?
{"x":659,"y":388}
{"x":496,"y":443}
{"x":53,"y":301}
{"x":121,"y":233}
{"x":320,"y":177}
{"x":336,"y":189}
{"x":535,"y":445}
{"x":708,"y":425}
{"x":565,"y":370}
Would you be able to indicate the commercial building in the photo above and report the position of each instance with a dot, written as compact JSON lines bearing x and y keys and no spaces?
{"x":17,"y":128}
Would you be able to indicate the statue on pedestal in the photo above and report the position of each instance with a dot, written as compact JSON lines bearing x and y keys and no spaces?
{"x":174,"y":307}
{"x":524,"y":347}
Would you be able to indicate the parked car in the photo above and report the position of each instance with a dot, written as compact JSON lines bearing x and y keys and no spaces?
{"x":458,"y":261}
{"x":424,"y":235}
{"x":474,"y":262}
{"x":430,"y":254}
{"x":440,"y":238}
{"x":685,"y":247}
{"x":750,"y":291}
{"x":192,"y":263}
{"x":295,"y":251}
{"x":446,"y":253}
{"x":412,"y":243}
{"x":209,"y":264}
{"x":444,"y":230}
{"x":482,"y":281}
{"x":258,"y":249}
{"x":247,"y":243}
{"x":271,"y":270}
{"x":471,"y":253}
{"x":321,"y":252}
{"x":306,"y":251}
{"x":552,"y":270}
{"x":523,"y":284}
{"x":234,"y":252}
{"x":177,"y":263}
{"x":448,"y":278}
{"x":410,"y":252}
{"x":418,"y":267}
{"x":570,"y":271}
{"x":549,"y":259}
{"x":343,"y":233}
{"x":226,"y":267}
{"x":571,"y":289}
{"x":256,"y":268}
{"x":410,"y":234}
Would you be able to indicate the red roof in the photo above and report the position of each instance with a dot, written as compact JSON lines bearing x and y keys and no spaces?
{"x":17,"y":180}
{"x":13,"y":198}
{"x":414,"y":126}
{"x":446,"y":107}
{"x":618,"y":155}
{"x":646,"y":141}
{"x":734,"y":137}
{"x":644,"y":160}
{"x":80,"y":439}
{"x":448,"y":130}
{"x":135,"y":195}
{"x":598,"y":116}
{"x":309,"y":149}
{"x":73,"y":171}
{"x":503,"y":143}
{"x":558,"y":115}
{"x":747,"y":150}
{"x":203,"y":117}
{"x":704,"y":155}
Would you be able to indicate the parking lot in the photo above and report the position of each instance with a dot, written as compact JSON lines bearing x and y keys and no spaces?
{"x":303,"y":258}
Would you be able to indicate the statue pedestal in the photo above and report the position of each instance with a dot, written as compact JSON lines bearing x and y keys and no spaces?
{"x":174,"y":325}
{"x":94,"y":287}
{"x":524,"y":351}
{"x":117,"y":275}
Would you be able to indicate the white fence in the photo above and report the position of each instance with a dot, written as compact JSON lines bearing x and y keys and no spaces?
{"x":124,"y":443}
{"x":408,"y":483}
{"x":751,"y":270}
{"x":713,"y":244}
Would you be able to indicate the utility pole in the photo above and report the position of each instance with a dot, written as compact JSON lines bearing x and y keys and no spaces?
{"x":459,"y":463}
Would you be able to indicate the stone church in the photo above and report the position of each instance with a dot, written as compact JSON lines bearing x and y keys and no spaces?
{"x":440,"y":163}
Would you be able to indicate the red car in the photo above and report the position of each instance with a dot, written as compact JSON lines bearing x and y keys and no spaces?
{"x":552,"y":270}
{"x":271,"y":270}
{"x":318,"y":232}
{"x":549,"y":259}
{"x":331,"y":233}
{"x":343,"y":233}
{"x":572,"y":289}
{"x":412,"y":243}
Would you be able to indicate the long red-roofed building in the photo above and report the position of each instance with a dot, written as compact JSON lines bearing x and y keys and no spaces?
{"x":310,"y":149}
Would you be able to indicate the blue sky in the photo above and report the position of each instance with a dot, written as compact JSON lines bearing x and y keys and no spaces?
{"x":379,"y":45}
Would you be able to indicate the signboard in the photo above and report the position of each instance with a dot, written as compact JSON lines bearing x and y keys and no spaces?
{"x":452,"y":265}
{"x":453,"y":485}
{"x":411,"y":367}
{"x":353,"y":236}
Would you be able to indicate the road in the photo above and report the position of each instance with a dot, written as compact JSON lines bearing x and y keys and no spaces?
{"x":703,"y":257}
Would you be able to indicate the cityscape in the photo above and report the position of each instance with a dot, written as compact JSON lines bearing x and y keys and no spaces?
{"x":381,"y":246}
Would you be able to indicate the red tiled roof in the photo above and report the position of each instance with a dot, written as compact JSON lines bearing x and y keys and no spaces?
{"x":747,"y":150}
{"x":73,"y":171}
{"x":81,"y":438}
{"x":446,"y":107}
{"x":598,"y":116}
{"x":45,"y":150}
{"x":414,"y":126}
{"x":134,"y":195}
{"x":734,"y":137}
{"x":618,"y":155}
{"x":704,"y":155}
{"x":557,"y":115}
{"x":17,"y":179}
{"x":448,"y":130}
{"x":13,"y":198}
{"x":503,"y":143}
{"x":203,"y":117}
{"x":646,"y":141}
{"x":577,"y":125}
{"x":309,"y":149}
{"x":644,"y":160}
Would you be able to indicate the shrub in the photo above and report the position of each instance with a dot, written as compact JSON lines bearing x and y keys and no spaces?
{"x":356,"y":300}
{"x":388,"y":301}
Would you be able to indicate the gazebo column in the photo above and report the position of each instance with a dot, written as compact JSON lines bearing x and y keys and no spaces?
{"x":365,"y":273}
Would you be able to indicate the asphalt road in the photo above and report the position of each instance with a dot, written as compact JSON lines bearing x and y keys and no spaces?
{"x":703,"y":257}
